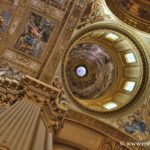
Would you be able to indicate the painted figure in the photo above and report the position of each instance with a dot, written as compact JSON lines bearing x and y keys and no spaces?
{"x":94,"y":12}
{"x":135,"y":125}
{"x":35,"y":36}
{"x":135,"y":9}
{"x":4,"y":20}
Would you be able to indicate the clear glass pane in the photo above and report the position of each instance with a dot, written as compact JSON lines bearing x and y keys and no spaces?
{"x":129,"y":86}
{"x":112,"y":36}
{"x":110,"y":105}
{"x":130,"y":58}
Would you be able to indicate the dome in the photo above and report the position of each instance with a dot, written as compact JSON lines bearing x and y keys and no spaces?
{"x":135,"y":13}
{"x":104,"y":68}
{"x":90,"y":70}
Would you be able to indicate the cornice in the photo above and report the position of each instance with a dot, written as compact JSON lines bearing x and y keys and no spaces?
{"x":35,"y":92}
{"x":110,"y":133}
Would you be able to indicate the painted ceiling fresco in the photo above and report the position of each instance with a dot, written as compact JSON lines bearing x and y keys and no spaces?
{"x":134,"y":8}
{"x":135,"y":13}
{"x":90,"y":70}
{"x":35,"y":35}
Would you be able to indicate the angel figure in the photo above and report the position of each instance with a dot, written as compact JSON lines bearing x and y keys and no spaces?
{"x":134,"y":125}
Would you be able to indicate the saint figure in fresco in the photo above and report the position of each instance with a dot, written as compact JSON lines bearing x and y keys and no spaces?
{"x":34,"y":39}
{"x":2,"y":19}
{"x":135,"y":125}
{"x":5,"y":17}
{"x":29,"y":38}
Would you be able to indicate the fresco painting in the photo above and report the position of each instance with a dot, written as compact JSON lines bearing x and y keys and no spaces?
{"x":5,"y":17}
{"x":135,"y":9}
{"x":135,"y":125}
{"x":35,"y":36}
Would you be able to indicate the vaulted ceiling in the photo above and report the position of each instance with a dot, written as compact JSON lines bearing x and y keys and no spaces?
{"x":96,"y":52}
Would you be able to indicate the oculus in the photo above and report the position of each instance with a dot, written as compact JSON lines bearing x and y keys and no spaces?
{"x":135,"y":8}
{"x":81,"y":71}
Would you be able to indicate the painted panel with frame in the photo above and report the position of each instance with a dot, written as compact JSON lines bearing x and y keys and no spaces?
{"x":35,"y":36}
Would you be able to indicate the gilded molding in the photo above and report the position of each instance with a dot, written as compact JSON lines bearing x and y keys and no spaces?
{"x":110,"y":135}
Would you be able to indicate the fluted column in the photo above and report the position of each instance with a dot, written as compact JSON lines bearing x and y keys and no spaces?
{"x":18,"y":124}
{"x":22,"y":128}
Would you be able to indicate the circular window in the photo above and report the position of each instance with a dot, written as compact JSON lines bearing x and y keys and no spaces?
{"x":81,"y":71}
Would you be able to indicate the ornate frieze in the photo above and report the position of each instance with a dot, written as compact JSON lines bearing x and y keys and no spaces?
{"x":46,"y":9}
{"x":25,"y":64}
{"x":10,"y":89}
{"x":47,"y":98}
